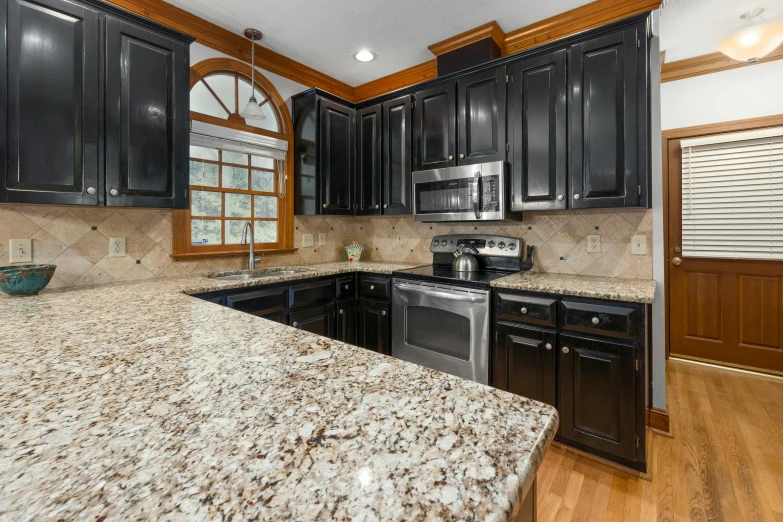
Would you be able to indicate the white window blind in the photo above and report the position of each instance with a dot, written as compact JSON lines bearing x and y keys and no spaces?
{"x":732,"y":195}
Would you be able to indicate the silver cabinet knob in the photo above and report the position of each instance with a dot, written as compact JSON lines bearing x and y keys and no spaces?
{"x":295,"y":323}
{"x":524,"y":310}
{"x":377,"y":206}
{"x":548,"y":346}
{"x":451,"y":157}
{"x":383,"y":313}
{"x":560,"y":197}
{"x":385,"y":205}
{"x":324,"y":205}
{"x":565,"y":349}
{"x":347,"y":287}
{"x":372,"y":287}
{"x":90,"y":190}
{"x":342,"y":312}
{"x":461,"y":156}
{"x":577,"y":196}
{"x":595,"y":320}
{"x":114,"y":192}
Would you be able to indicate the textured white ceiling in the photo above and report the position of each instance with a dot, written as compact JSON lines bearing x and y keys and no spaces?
{"x":694,"y":27}
{"x":324,"y":34}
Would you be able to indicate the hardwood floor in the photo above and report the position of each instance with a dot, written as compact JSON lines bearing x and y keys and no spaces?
{"x":724,"y":462}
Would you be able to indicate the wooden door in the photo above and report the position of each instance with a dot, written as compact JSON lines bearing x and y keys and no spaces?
{"x":368,"y":160}
{"x":727,"y":311}
{"x":50,"y":87}
{"x":537,"y":133}
{"x":147,"y":118}
{"x":335,"y":154}
{"x":318,"y":320}
{"x":525,"y":361}
{"x":481,"y":117}
{"x":346,"y":321}
{"x":434,"y":131}
{"x":373,"y":331}
{"x":604,"y":84}
{"x":397,"y":162}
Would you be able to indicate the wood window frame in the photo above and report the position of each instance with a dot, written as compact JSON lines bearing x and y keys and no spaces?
{"x":181,"y":240}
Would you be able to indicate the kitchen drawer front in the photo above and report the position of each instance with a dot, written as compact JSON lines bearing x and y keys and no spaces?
{"x":259,"y":302}
{"x":345,"y":287}
{"x":310,"y":293}
{"x":278,"y":318}
{"x":375,"y":287}
{"x":526,"y":309}
{"x":599,"y":319}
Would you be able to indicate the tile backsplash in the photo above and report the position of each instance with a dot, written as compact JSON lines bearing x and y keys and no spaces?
{"x":76,"y":240}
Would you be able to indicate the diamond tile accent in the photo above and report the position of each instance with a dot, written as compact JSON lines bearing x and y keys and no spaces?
{"x":92,"y":246}
{"x":68,"y":228}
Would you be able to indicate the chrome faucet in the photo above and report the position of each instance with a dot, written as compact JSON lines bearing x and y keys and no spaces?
{"x":251,"y":263}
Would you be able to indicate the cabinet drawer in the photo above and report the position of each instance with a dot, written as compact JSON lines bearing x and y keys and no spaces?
{"x":598,"y":319}
{"x":310,"y":293}
{"x":279,"y":318}
{"x":527,"y":309}
{"x":376,"y":287}
{"x":345,"y":287}
{"x":258,"y":302}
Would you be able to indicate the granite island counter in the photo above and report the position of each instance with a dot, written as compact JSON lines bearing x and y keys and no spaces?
{"x":139,"y":401}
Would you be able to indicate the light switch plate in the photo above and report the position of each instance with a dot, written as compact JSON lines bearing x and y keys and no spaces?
{"x":594,"y":243}
{"x":116,"y":247}
{"x":307,"y":240}
{"x":21,"y":251}
{"x":400,"y":239}
{"x":321,"y":238}
{"x":639,"y":245}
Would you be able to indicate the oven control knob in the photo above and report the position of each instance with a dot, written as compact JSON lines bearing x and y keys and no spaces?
{"x":512,"y":246}
{"x":501,"y":245}
{"x":491,"y":244}
{"x":436,"y":242}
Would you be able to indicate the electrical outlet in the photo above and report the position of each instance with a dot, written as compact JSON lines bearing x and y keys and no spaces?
{"x":639,"y":245}
{"x":21,"y":251}
{"x":594,"y":243}
{"x":321,"y":238}
{"x":307,"y":240}
{"x":116,"y":247}
{"x":400,"y":239}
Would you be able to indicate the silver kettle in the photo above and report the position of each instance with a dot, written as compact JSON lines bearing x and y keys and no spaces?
{"x":464,"y":260}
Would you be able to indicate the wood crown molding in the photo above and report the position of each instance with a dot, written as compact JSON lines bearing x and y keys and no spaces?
{"x":490,"y":30}
{"x":399,"y":80}
{"x":708,"y":64}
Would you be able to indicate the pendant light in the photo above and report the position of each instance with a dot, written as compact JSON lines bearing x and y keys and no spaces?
{"x":252,"y":110}
{"x":756,"y":40}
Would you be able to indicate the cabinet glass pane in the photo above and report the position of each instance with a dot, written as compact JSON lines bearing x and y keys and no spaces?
{"x":262,"y":181}
{"x":265,"y":206}
{"x":234,"y":157}
{"x":262,"y":162}
{"x":233,"y":234}
{"x":203,"y":153}
{"x":235,"y":177}
{"x":205,"y":232}
{"x":237,"y":205}
{"x":203,"y":174}
{"x":206,"y":203}
{"x":265,"y":231}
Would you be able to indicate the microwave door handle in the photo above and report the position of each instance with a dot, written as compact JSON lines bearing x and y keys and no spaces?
{"x":477,"y":194}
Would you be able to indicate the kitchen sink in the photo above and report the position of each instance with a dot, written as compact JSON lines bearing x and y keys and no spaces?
{"x":259,"y":275}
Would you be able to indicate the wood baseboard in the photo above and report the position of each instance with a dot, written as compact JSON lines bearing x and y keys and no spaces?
{"x":658,"y":420}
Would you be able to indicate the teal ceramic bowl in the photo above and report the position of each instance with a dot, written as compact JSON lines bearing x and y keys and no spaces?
{"x":25,"y":279}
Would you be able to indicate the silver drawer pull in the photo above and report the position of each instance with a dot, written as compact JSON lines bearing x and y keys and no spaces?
{"x":576,"y":196}
{"x":114,"y":192}
{"x":383,"y":313}
{"x":560,"y":197}
{"x":91,"y":190}
{"x":596,"y":320}
{"x":347,"y":287}
{"x":372,"y":287}
{"x":548,"y":346}
{"x":565,"y":349}
{"x":342,"y":312}
{"x":295,"y":323}
{"x":524,"y":310}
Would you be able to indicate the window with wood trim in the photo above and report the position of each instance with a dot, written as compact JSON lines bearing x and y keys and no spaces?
{"x":230,"y":186}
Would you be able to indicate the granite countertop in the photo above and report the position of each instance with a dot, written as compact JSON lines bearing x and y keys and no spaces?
{"x":138,"y":401}
{"x":616,"y":289}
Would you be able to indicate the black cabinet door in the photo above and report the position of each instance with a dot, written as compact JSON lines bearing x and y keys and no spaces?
{"x":397,"y":156}
{"x":524,"y":362}
{"x":50,"y":86}
{"x":335,"y":154}
{"x":318,"y":320}
{"x":537,"y":133}
{"x":373,"y":331}
{"x":147,"y":118}
{"x":597,"y":395}
{"x":481,"y":116}
{"x":368,"y":160}
{"x":346,"y":321}
{"x":434,"y":131}
{"x":603,"y":121}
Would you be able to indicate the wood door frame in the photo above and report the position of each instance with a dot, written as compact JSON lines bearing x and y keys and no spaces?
{"x":693,"y":132}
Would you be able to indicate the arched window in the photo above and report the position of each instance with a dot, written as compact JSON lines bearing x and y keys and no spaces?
{"x":231,"y":185}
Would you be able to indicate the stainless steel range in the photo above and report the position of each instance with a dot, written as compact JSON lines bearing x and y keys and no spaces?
{"x":440,"y":316}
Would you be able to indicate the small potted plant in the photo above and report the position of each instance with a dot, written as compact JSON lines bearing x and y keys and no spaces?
{"x":354,"y":252}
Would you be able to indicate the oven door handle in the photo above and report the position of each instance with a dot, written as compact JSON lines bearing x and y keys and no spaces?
{"x":461,"y":298}
{"x":477,"y":194}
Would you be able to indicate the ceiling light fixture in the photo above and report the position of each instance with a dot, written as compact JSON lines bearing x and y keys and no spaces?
{"x":756,"y":40}
{"x":252,"y":110}
{"x":365,"y":56}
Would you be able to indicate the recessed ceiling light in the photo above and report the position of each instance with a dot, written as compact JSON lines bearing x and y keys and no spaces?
{"x":365,"y":56}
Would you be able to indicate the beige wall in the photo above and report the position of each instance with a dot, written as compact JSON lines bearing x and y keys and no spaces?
{"x":76,"y":240}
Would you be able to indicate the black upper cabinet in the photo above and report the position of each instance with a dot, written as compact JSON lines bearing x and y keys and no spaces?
{"x":335,"y":154}
{"x":368,"y":160}
{"x":603,"y":98}
{"x":50,"y":68}
{"x":147,"y":118}
{"x":397,"y":156}
{"x":537,"y":133}
{"x":481,"y":115}
{"x":434,"y":131}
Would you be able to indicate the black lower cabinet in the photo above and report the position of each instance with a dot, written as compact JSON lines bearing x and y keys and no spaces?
{"x":318,"y":320}
{"x":525,"y":362}
{"x":373,"y":325}
{"x":597,"y":395}
{"x":346,"y":321}
{"x":279,"y":318}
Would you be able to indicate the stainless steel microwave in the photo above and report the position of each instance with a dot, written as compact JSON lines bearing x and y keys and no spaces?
{"x":466,"y":193}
